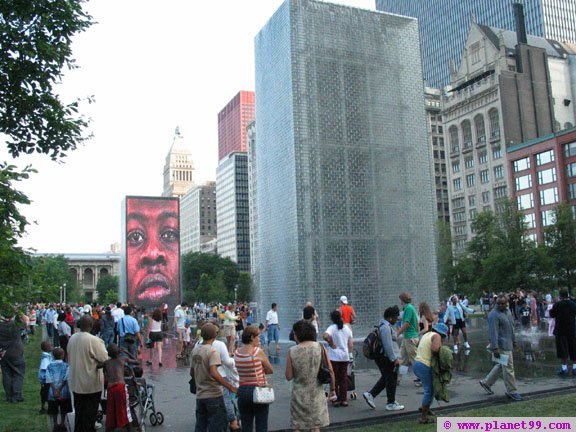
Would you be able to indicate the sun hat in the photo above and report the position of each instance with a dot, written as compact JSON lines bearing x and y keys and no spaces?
{"x":441,"y":329}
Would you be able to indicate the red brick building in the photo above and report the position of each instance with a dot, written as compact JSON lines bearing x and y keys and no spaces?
{"x":542,"y":175}
{"x":232,"y":123}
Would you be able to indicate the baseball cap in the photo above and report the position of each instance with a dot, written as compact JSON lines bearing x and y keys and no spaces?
{"x":344,"y":299}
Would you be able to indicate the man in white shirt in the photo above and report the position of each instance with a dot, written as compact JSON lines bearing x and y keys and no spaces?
{"x":180,"y":325}
{"x":273,"y":327}
{"x":117,"y":312}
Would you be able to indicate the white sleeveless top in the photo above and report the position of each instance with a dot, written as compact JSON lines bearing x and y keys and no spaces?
{"x":155,"y":326}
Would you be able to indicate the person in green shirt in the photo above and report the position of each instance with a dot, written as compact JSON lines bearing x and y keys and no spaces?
{"x":409,"y":332}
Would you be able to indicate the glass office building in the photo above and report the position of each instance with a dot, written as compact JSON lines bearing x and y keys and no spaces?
{"x":444,"y":26}
{"x":345,"y":192}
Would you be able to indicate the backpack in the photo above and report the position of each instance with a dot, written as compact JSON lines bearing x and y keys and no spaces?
{"x":372,"y":344}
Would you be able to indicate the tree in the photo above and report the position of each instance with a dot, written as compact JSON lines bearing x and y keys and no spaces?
{"x":35,"y":45}
{"x":218,"y":292}
{"x":561,"y":240}
{"x":105,"y":284}
{"x":196,"y":264}
{"x":47,"y":275}
{"x":35,"y":41}
{"x":445,"y":260}
{"x":244,"y":292}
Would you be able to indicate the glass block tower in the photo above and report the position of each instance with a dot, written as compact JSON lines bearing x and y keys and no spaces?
{"x":444,"y":25}
{"x":345,"y":192}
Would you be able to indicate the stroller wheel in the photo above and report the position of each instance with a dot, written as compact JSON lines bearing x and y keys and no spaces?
{"x":153,"y":419}
{"x":159,"y":417}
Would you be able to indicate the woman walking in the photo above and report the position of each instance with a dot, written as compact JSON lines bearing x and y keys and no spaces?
{"x":156,"y":336}
{"x":252,"y":365}
{"x":308,"y":408}
{"x":339,"y":338}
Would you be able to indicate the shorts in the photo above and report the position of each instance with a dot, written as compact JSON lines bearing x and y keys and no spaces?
{"x":408,"y":350}
{"x":566,"y":347}
{"x":181,"y":332}
{"x":117,"y":407}
{"x":44,"y":390}
{"x":459,"y":324}
{"x":61,"y":406}
{"x":156,"y":336}
{"x":273,"y":333}
{"x":230,"y":330}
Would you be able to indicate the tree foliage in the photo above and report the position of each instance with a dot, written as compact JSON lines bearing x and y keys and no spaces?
{"x":107,"y":287}
{"x":561,"y":241}
{"x":47,"y":275}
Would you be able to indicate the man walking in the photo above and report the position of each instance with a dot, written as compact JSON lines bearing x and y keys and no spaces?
{"x":210,"y":408}
{"x":129,"y":332}
{"x":502,"y":342}
{"x":273,"y":327}
{"x":86,"y":381}
{"x":564,"y":313}
{"x":409,"y":330}
{"x":388,"y":362}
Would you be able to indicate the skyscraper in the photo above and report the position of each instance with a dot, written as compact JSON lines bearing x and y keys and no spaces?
{"x":178,"y":168}
{"x":344,"y":181}
{"x":444,"y":26}
{"x":232,"y":209}
{"x":232,"y":123}
{"x":198,"y":218}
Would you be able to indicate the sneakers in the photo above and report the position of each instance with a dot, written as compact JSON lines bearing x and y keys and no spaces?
{"x":562,"y":373}
{"x":486,"y":387}
{"x":467,"y":345}
{"x":514,"y":396}
{"x":455,"y":349}
{"x":369,"y":399}
{"x":394,"y":407}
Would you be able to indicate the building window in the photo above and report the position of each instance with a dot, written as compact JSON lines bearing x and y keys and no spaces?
{"x":460,"y":244}
{"x":494,"y":123}
{"x":547,"y":176}
{"x":486,"y":197}
{"x":530,"y":220}
{"x":545,"y":157}
{"x":470,"y":180}
{"x":484,"y":176}
{"x":572,"y":190}
{"x":460,"y":230}
{"x":456,"y":167}
{"x":521,"y":164}
{"x":457,"y":184}
{"x":457,"y":203}
{"x":482,"y":157}
{"x":525,"y":201}
{"x":496,"y":153}
{"x":499,"y":172}
{"x":454,"y":142}
{"x":466,"y":133}
{"x":469,"y":162}
{"x":459,"y":216}
{"x":570,"y":149}
{"x":480,"y":128}
{"x":549,"y":196}
{"x":472,"y":200}
{"x":547,"y":217}
{"x":473,"y":213}
{"x":487,"y":208}
{"x":523,"y":182}
{"x":571,"y":169}
{"x":500,"y":192}
{"x":475,"y":52}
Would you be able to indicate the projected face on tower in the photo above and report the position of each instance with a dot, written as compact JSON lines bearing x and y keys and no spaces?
{"x":152,"y":251}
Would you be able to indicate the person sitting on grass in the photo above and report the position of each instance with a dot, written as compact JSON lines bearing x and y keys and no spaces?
{"x":118,"y":414}
{"x":59,"y":399}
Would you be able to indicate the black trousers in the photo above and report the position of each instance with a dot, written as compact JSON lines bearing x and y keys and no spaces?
{"x":13,"y":379}
{"x":86,"y":409}
{"x":388,"y":379}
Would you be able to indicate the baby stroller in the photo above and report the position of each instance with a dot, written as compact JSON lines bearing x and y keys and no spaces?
{"x":351,"y":376}
{"x":141,"y":399}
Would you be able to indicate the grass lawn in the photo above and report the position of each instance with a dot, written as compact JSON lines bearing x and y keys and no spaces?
{"x":24,"y":416}
{"x":555,"y":406}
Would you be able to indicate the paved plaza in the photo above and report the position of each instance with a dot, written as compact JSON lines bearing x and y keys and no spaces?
{"x":535,"y":364}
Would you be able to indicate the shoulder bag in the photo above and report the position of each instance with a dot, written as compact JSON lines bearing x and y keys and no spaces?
{"x":129,"y":338}
{"x":324,"y":376}
{"x":263,"y":394}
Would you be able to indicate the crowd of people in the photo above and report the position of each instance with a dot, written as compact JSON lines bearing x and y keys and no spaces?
{"x":86,"y":342}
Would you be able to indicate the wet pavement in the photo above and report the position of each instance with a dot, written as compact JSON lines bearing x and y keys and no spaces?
{"x":535,"y":365}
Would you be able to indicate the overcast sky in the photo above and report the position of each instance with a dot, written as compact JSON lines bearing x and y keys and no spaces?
{"x":151,"y":67}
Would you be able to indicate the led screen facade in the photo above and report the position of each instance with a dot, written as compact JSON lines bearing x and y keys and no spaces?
{"x":152,"y":251}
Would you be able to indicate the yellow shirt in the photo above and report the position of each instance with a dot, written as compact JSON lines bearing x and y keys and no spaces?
{"x":85,"y":351}
{"x":424,"y":353}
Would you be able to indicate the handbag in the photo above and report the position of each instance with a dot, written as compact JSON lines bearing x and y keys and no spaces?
{"x":263,"y":394}
{"x":324,"y":376}
{"x":129,"y":338}
{"x":192,"y":384}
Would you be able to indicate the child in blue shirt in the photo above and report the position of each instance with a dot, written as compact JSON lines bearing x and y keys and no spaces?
{"x":45,"y":360}
{"x":59,"y":399}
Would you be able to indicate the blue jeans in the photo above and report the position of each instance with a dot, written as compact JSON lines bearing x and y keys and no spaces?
{"x":425,"y":374}
{"x":250,"y":412}
{"x":211,"y":415}
{"x":132,"y":348}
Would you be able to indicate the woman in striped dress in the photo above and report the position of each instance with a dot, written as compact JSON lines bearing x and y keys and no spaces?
{"x":252,"y":365}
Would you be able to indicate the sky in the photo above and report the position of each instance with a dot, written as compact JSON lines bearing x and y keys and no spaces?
{"x":151,"y":67}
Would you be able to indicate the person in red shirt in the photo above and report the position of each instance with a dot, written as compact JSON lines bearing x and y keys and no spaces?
{"x":347,"y":311}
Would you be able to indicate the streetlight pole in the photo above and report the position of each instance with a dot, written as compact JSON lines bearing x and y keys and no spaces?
{"x":64,"y":292}
{"x":60,"y":293}
{"x":235,"y":292}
